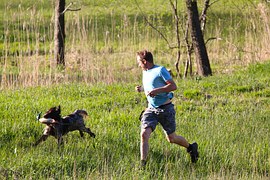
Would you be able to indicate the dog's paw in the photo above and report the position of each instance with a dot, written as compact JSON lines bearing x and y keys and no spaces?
{"x":93,"y":135}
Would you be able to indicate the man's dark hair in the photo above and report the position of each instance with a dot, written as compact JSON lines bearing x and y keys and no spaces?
{"x":146,"y":55}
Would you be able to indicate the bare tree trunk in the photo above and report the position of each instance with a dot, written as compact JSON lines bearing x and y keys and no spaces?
{"x":203,"y":65}
{"x":189,"y":48}
{"x":59,"y":32}
{"x":177,"y":33}
{"x":203,"y":15}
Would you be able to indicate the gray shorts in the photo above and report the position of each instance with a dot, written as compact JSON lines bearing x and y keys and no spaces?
{"x":165,"y":116}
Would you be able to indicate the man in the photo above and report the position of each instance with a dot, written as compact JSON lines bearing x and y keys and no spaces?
{"x":157,"y":86}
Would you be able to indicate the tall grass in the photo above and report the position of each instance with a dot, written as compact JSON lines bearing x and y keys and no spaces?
{"x":228,"y":115}
{"x":102,"y":39}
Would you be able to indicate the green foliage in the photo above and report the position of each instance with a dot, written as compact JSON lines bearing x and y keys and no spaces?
{"x":191,"y":94}
{"x":231,"y":128}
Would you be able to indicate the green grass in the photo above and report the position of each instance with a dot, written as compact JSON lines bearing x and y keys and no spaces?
{"x":228,"y":115}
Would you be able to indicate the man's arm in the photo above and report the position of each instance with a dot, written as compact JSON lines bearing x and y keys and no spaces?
{"x":170,"y":86}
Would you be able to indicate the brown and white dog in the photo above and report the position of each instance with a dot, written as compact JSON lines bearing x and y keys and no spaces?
{"x":57,"y":126}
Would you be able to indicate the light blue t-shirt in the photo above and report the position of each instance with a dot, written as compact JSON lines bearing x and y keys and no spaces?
{"x":154,"y":78}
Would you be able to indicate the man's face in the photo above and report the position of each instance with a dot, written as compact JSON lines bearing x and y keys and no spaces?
{"x":141,"y":63}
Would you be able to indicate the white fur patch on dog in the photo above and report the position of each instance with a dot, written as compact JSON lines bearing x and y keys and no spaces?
{"x":46,"y":120}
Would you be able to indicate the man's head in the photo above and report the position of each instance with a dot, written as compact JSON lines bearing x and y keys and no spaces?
{"x":145,"y":59}
{"x":145,"y":55}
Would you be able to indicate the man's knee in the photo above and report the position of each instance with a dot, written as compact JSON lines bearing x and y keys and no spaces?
{"x":171,"y":138}
{"x":145,"y":133}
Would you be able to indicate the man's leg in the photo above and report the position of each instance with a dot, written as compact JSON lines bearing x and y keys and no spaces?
{"x":173,"y":138}
{"x":145,"y":135}
{"x":192,"y":149}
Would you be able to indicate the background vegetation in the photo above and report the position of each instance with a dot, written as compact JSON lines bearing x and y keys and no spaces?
{"x":227,"y":114}
{"x":102,"y":38}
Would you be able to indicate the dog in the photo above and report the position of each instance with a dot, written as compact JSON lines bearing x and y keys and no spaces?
{"x":57,"y":126}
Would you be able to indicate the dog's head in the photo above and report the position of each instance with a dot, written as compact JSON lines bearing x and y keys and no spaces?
{"x":54,"y":113}
{"x":80,"y":112}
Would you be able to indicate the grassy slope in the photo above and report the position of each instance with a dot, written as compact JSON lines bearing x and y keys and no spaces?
{"x":231,"y":127}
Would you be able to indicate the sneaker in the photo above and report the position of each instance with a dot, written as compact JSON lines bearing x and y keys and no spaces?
{"x":193,"y":151}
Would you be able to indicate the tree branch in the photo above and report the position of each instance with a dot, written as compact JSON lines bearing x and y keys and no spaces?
{"x":212,"y":38}
{"x":213,"y":2}
{"x":203,"y":16}
{"x":68,"y":9}
{"x":177,"y":33}
{"x":152,"y":26}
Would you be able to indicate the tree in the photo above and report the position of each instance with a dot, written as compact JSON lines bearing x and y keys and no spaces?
{"x":203,"y":65}
{"x":59,"y":32}
{"x":196,"y":31}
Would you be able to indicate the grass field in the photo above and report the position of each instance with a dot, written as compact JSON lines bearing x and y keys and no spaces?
{"x":228,"y":115}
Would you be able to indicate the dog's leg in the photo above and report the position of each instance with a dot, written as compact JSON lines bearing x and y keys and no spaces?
{"x":89,"y":132}
{"x":42,"y":138}
{"x":81,"y":133}
{"x":59,"y":140}
{"x":48,"y":130}
{"x":59,"y":135}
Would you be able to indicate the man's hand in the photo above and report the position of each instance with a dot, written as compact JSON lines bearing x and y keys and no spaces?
{"x":153,"y":93}
{"x":139,"y":89}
